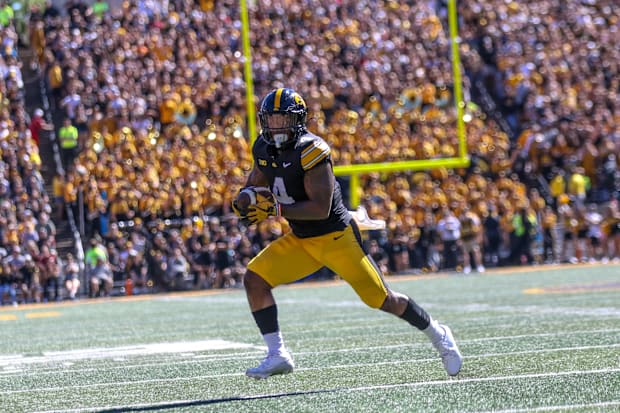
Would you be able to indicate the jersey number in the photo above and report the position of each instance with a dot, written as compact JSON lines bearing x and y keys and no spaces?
{"x":279,"y":190}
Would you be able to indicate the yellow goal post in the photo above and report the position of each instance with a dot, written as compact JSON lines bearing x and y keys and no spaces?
{"x":355,"y":170}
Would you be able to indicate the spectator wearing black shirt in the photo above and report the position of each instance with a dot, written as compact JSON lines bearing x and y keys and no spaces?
{"x":492,"y":236}
{"x":425,"y":247}
{"x":200,"y":259}
{"x":137,"y":272}
{"x":398,"y":253}
{"x":7,"y":284}
{"x":379,"y":255}
{"x":50,"y":11}
{"x":224,"y":259}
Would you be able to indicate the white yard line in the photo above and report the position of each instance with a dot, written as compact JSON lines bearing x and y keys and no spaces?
{"x":13,"y":363}
{"x":486,"y":379}
{"x":538,"y":335}
{"x":460,"y":342}
{"x":563,"y":407}
{"x":293,"y":337}
{"x":537,"y":309}
{"x":337,"y":366}
{"x":448,"y":382}
{"x":179,"y":347}
{"x":468,"y":308}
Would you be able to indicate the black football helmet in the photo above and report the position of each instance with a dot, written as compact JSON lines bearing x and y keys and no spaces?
{"x":282,"y":117}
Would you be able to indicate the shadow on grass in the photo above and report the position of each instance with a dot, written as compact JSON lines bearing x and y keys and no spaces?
{"x":196,"y":403}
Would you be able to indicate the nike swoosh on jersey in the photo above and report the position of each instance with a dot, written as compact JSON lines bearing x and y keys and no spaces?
{"x":286,"y":164}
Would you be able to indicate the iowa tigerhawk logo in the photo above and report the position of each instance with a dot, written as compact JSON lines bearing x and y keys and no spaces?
{"x":299,"y":100}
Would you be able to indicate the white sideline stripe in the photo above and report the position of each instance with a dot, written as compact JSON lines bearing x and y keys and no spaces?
{"x":10,"y":363}
{"x":121,"y":352}
{"x":364,"y":388}
{"x":332,"y":367}
{"x":554,"y":408}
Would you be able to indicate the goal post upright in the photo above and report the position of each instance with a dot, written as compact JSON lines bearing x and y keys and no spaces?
{"x":460,"y":161}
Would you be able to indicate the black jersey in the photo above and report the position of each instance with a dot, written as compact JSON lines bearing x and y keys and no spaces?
{"x":285,"y":171}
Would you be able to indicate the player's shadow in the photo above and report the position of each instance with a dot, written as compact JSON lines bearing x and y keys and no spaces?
{"x":195,"y":403}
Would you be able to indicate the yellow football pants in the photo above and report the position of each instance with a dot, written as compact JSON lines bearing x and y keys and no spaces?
{"x":290,"y":258}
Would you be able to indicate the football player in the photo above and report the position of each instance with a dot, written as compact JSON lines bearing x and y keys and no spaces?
{"x":295,"y":165}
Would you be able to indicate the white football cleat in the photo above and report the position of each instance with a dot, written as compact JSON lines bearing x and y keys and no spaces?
{"x":271,"y":365}
{"x":450,"y":354}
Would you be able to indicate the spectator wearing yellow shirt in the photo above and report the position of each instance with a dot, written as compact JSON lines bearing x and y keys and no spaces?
{"x":119,"y":206}
{"x":6,"y":14}
{"x":168,"y":109}
{"x":70,"y":191}
{"x":192,"y":200}
{"x":578,"y":184}
{"x":37,"y":43}
{"x":58,"y":184}
{"x":68,"y":136}
{"x":55,"y":77}
{"x":557,"y":186}
{"x":552,"y":242}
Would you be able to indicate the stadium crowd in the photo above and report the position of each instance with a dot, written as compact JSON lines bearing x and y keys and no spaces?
{"x":28,"y":259}
{"x":154,"y":132}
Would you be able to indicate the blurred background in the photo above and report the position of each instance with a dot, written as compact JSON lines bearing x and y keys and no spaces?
{"x":124,"y":135}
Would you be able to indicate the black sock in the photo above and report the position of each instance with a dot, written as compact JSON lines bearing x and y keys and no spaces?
{"x":416,"y":316}
{"x":267,"y":319}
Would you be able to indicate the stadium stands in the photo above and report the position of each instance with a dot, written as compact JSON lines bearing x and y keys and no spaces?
{"x":29,"y":262}
{"x":158,"y":99}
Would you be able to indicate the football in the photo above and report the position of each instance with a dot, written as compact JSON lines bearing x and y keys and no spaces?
{"x":252,"y":195}
{"x":245,"y":198}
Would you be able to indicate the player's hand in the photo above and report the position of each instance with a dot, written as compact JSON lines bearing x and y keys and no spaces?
{"x":266,"y":206}
{"x":255,"y":204}
{"x":240,"y":212}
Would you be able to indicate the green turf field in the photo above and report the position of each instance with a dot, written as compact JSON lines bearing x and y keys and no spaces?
{"x":544,"y":339}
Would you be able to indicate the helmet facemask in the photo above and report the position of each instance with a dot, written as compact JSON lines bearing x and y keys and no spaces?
{"x":281,"y":127}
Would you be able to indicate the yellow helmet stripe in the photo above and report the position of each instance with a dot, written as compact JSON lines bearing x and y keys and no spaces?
{"x":276,"y":101}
